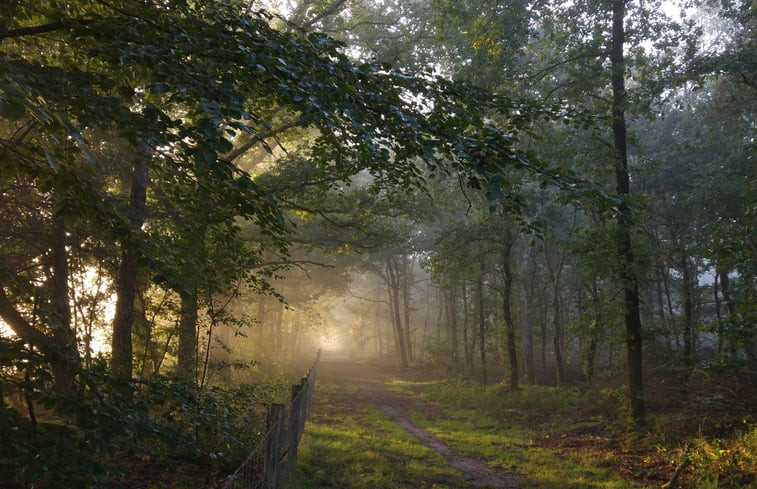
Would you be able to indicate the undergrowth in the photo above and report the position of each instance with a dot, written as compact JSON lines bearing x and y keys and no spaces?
{"x":111,"y":432}
{"x":719,"y":464}
{"x":701,"y":424}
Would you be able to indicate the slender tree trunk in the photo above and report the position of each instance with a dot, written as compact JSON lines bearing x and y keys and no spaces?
{"x":718,"y":309}
{"x":481,"y":321}
{"x":452,"y":322}
{"x":730,"y":307}
{"x":595,"y":330}
{"x":394,"y":288}
{"x":392,"y":317}
{"x":406,"y":279}
{"x":625,"y":250}
{"x":543,"y":330}
{"x":426,"y":321}
{"x":439,"y":317}
{"x":203,"y":377}
{"x":528,"y":333}
{"x":507,"y":278}
{"x":557,"y":340}
{"x":63,"y":334}
{"x":725,"y":288}
{"x":668,"y":293}
{"x":279,"y":333}
{"x":379,"y":340}
{"x":126,"y":283}
{"x":688,"y":311}
{"x":186,"y":367}
{"x":466,"y":343}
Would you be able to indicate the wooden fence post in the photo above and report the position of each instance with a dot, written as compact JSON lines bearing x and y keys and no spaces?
{"x":271,"y":464}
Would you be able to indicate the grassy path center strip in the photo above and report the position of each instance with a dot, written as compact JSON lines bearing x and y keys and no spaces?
{"x":475,"y":470}
{"x":350,"y":443}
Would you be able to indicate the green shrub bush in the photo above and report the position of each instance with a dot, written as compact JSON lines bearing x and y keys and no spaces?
{"x":725,"y":465}
{"x":89,"y":437}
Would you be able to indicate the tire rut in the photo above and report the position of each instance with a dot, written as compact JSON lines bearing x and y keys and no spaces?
{"x":395,"y":406}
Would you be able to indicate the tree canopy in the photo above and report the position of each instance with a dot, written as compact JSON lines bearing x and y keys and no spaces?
{"x":192,"y":189}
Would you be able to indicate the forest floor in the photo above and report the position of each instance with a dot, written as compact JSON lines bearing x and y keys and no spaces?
{"x":373,"y":427}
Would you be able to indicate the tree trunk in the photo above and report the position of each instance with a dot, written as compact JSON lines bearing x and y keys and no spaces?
{"x":624,"y":220}
{"x":439,"y":317}
{"x":60,"y":320}
{"x":126,"y":283}
{"x":725,"y":288}
{"x":452,"y":323}
{"x":186,"y":367}
{"x":394,"y":288}
{"x":543,"y":330}
{"x":557,"y":340}
{"x":718,"y":309}
{"x":688,"y":311}
{"x":466,"y":343}
{"x":528,"y":333}
{"x":730,"y":307}
{"x":279,"y":325}
{"x":507,"y":278}
{"x":379,"y":341}
{"x":555,"y":273}
{"x":594,"y":332}
{"x":392,"y":317}
{"x":481,"y":321}
{"x":406,"y":280}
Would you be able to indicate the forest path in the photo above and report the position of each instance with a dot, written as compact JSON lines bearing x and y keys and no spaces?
{"x":370,"y":381}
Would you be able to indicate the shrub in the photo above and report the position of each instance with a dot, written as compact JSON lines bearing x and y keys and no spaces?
{"x":90,"y":436}
{"x":725,"y":465}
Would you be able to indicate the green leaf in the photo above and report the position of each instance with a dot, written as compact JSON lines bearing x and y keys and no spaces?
{"x":12,"y":110}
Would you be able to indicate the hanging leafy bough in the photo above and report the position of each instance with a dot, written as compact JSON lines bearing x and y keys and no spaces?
{"x":189,"y":80}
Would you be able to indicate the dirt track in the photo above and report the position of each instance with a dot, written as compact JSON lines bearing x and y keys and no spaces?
{"x":369,"y":380}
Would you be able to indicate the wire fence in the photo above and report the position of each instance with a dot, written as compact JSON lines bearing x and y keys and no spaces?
{"x":272,"y":460}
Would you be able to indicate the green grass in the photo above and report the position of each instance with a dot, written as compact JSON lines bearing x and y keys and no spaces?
{"x":514,"y":449}
{"x":504,"y":442}
{"x":351,"y":444}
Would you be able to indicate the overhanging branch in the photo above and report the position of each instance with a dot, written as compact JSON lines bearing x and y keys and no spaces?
{"x":40,"y":29}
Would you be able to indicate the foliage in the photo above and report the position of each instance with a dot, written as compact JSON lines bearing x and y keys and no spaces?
{"x":84,"y":439}
{"x":270,"y":148}
{"x":719,"y":464}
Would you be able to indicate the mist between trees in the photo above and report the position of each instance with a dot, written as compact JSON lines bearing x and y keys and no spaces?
{"x":194,"y":194}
